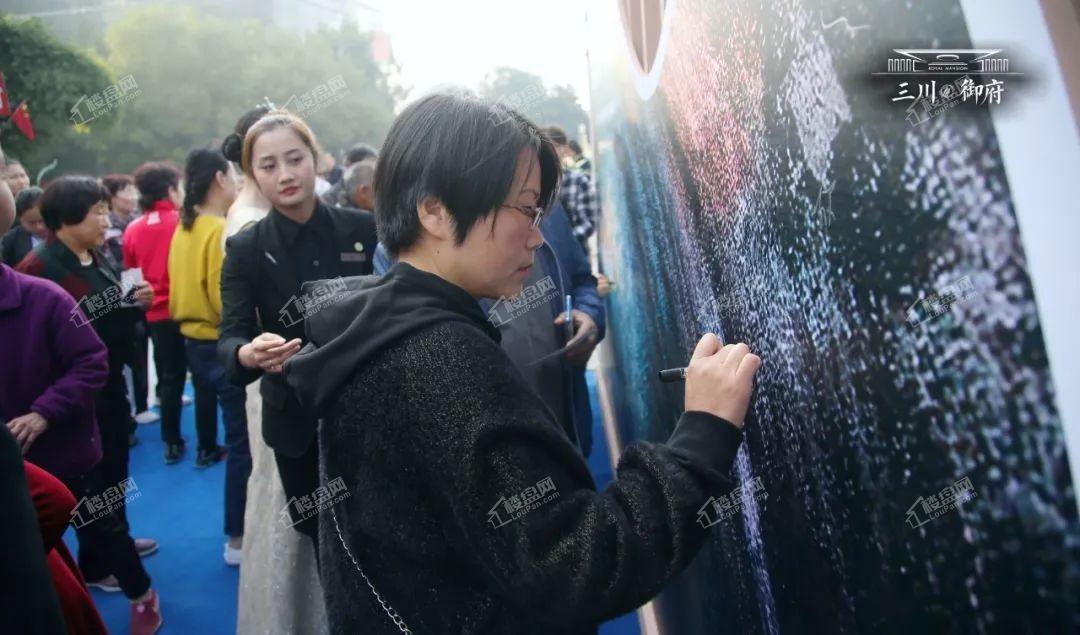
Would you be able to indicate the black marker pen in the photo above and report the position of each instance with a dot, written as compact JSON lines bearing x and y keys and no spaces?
{"x":669,"y":375}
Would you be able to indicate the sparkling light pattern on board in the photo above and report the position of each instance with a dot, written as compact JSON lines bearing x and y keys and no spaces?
{"x":766,"y":169}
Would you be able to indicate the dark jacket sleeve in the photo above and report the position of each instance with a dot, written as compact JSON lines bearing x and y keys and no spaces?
{"x":7,"y":248}
{"x":587,"y":298}
{"x":82,"y":356}
{"x":28,"y":603}
{"x":239,"y":317}
{"x":575,"y":263}
{"x":14,"y":246}
{"x":582,"y":555}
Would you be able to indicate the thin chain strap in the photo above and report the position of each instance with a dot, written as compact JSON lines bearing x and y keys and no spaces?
{"x":390,"y":612}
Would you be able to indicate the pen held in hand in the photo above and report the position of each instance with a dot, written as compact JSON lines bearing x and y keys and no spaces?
{"x":669,"y":375}
{"x":568,"y":304}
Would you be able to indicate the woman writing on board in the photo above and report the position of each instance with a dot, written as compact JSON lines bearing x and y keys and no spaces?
{"x":454,"y":502}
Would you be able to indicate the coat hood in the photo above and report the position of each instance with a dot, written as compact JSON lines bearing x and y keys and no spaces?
{"x":348,"y":321}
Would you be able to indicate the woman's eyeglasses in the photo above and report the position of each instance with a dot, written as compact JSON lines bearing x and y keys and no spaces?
{"x":535,"y":213}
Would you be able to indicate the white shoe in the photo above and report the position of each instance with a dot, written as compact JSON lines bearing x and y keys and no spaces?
{"x":233,"y":556}
{"x":147,"y":416}
{"x":107,"y":584}
{"x":185,"y":400}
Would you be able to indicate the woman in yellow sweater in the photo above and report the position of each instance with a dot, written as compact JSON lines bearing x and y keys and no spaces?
{"x":195,"y":259}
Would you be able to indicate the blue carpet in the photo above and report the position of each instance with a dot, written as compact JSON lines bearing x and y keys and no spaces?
{"x":182,"y":508}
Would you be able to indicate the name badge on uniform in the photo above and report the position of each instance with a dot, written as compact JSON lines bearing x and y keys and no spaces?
{"x":153,"y":218}
{"x":358,"y":256}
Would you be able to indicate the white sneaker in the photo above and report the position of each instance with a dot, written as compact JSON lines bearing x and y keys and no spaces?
{"x":108,"y":584}
{"x":147,"y":416}
{"x":185,"y":400}
{"x":233,"y":556}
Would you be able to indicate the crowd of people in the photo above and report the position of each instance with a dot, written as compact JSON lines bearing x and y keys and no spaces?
{"x":397,"y":348}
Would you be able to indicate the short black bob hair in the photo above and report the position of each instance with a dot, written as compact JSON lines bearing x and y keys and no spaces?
{"x":68,"y":199}
{"x":461,"y":150}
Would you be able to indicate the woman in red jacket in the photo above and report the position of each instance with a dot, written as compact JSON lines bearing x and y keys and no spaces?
{"x":146,"y":246}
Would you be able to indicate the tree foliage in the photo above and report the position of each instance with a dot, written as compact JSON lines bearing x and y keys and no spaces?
{"x":196,"y":75}
{"x":545,"y":106}
{"x":51,"y":76}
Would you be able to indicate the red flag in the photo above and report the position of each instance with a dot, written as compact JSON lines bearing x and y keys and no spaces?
{"x":21,"y":119}
{"x":5,"y":103}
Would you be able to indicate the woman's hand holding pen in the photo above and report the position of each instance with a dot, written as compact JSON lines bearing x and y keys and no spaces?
{"x":267,"y":352}
{"x":586,"y":335}
{"x":719,"y":380}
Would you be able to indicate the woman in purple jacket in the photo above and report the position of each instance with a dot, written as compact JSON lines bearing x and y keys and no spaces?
{"x":55,"y":364}
{"x":47,"y":397}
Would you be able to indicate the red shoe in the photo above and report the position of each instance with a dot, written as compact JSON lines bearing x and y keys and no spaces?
{"x":146,"y":615}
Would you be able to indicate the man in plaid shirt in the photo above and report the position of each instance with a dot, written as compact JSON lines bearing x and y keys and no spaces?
{"x":577,"y":194}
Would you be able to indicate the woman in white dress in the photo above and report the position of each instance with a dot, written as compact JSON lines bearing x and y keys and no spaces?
{"x":279,"y":584}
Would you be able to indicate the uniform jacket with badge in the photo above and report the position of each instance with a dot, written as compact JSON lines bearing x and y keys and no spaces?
{"x":260,"y":292}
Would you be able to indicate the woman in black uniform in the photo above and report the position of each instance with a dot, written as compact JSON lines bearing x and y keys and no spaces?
{"x":263,"y":307}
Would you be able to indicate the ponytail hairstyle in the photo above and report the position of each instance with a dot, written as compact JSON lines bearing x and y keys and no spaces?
{"x":153,"y":180}
{"x":233,"y":144}
{"x":273,"y":120}
{"x":200,"y":170}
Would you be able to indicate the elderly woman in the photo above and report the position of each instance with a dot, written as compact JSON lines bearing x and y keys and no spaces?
{"x":75,"y":209}
{"x":454,"y":501}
